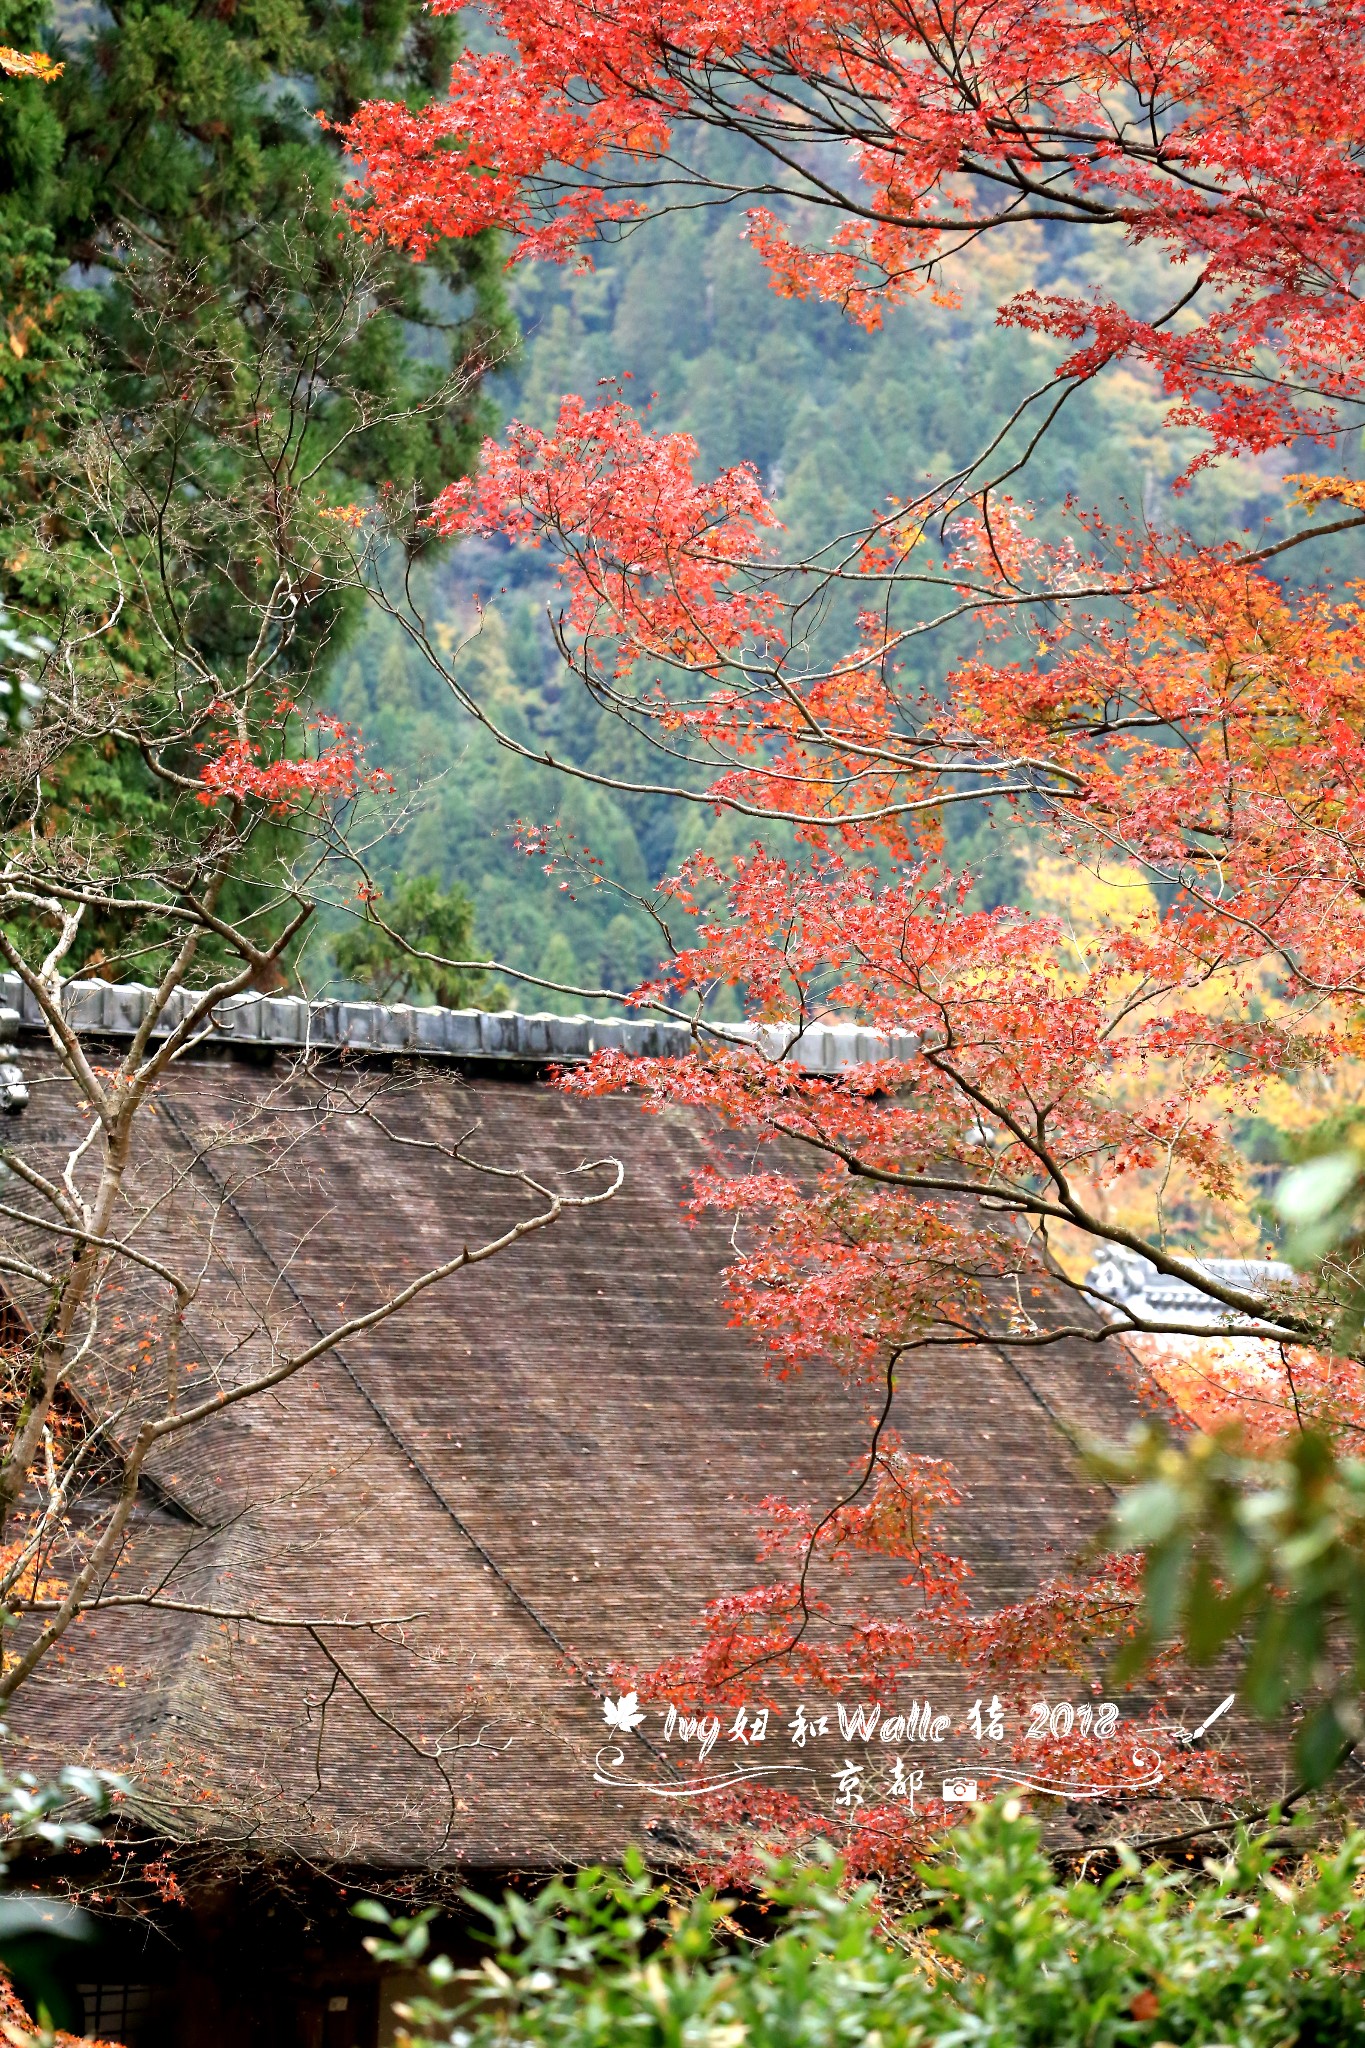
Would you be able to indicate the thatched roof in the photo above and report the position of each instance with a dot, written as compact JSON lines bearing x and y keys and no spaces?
{"x":547,"y":1463}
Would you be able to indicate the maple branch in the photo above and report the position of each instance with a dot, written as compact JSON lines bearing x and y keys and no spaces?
{"x":1024,"y":1202}
{"x":161,"y":1602}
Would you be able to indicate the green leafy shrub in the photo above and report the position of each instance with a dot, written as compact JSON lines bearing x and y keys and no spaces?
{"x":433,"y":922}
{"x":1003,"y":1955}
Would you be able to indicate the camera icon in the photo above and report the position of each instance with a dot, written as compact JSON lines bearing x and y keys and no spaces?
{"x":959,"y":1791}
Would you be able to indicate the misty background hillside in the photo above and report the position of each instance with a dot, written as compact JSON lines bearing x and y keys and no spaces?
{"x":834,"y":419}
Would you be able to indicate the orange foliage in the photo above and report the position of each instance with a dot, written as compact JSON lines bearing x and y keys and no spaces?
{"x":1140,"y":699}
{"x":20,"y":2030}
{"x":28,"y":64}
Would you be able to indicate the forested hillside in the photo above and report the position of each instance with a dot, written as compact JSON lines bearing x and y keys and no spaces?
{"x":834,"y":419}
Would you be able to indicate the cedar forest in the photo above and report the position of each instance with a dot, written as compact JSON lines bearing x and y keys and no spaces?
{"x":910,"y":576}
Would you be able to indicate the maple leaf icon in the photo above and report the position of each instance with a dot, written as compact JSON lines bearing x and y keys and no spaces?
{"x":623,"y":1714}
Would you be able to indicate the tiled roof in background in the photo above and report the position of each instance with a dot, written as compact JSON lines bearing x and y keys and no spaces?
{"x":548,"y":1463}
{"x":115,"y":1010}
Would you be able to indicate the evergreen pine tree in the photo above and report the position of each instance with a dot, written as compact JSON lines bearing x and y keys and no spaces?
{"x":168,"y":225}
{"x":195,"y":136}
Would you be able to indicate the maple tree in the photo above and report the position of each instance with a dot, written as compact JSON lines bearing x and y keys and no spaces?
{"x":1167,"y":711}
